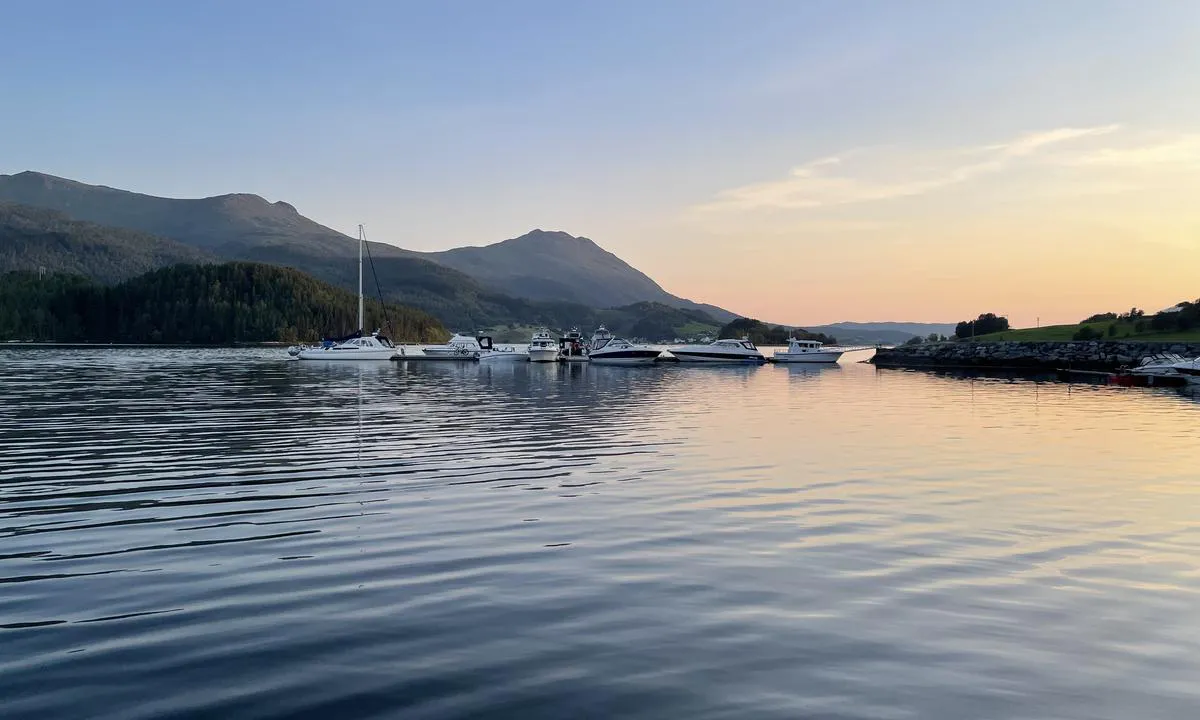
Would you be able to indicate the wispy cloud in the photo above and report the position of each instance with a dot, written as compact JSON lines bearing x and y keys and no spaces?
{"x":1033,"y":142}
{"x":1180,"y":151}
{"x":828,"y":181}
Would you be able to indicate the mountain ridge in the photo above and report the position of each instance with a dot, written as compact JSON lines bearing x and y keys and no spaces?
{"x":555,"y":265}
{"x":244,"y":226}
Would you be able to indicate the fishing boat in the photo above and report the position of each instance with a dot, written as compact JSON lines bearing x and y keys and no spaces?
{"x":806,"y":351}
{"x":355,"y":346}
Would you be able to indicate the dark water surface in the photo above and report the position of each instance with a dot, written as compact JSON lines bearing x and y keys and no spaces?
{"x":224,"y":534}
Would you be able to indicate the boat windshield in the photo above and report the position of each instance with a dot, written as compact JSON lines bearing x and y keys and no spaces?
{"x":748,"y":345}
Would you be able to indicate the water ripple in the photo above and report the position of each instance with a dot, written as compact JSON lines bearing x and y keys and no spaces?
{"x":225,"y":534}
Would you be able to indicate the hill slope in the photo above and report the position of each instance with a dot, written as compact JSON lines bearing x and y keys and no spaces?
{"x":237,"y":225}
{"x":210,"y":304}
{"x":543,"y":265}
{"x":34,"y":238}
{"x":886,"y":333}
{"x":464,"y":286}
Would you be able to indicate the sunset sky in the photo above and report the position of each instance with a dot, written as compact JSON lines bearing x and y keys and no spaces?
{"x":801,"y":162}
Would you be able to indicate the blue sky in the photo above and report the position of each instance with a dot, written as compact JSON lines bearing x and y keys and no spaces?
{"x":442,"y":124}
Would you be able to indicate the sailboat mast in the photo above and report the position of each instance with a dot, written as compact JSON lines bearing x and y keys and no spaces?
{"x":362,"y":238}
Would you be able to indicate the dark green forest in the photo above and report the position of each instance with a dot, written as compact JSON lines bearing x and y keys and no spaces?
{"x":982,"y":325}
{"x":653,"y":321}
{"x":760,"y":333}
{"x":1185,"y":318}
{"x":35,"y":239}
{"x":202,"y":304}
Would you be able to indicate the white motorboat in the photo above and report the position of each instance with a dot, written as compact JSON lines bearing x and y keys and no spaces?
{"x":1189,"y":369}
{"x":1158,"y":365}
{"x":370,"y":347}
{"x":572,"y":348}
{"x":806,"y":351}
{"x":460,"y":347}
{"x":356,"y":346}
{"x":605,"y":348}
{"x":493,"y":353}
{"x":720,"y":351}
{"x":542,"y":347}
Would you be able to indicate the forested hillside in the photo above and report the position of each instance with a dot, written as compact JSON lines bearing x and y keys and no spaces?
{"x":760,"y":333}
{"x":204,"y":304}
{"x":656,"y":322}
{"x":539,"y":278}
{"x":33,"y":239}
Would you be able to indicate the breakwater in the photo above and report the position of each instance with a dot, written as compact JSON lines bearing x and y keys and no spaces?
{"x":1078,"y":355}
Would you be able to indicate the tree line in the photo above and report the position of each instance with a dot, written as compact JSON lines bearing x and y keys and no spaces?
{"x":760,"y":333}
{"x":201,"y":304}
{"x":982,"y":325}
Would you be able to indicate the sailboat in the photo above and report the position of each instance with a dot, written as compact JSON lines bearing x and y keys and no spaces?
{"x":356,"y":346}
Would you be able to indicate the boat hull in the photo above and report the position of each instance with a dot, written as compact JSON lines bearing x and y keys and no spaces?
{"x":808,"y":357}
{"x":503,"y":356}
{"x":694,"y":356}
{"x":625,"y":357}
{"x":540,"y":355}
{"x":336,"y":354}
{"x":441,"y":353}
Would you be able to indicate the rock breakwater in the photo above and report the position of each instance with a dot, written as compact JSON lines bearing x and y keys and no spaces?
{"x":1081,"y":355}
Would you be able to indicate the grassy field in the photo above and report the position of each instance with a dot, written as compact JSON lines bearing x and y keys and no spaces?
{"x":1060,"y":333}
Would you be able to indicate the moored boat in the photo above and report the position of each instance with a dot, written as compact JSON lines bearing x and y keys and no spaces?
{"x":459,"y":347}
{"x":806,"y":351}
{"x":1189,"y":369}
{"x":720,"y":351}
{"x":1158,"y":365}
{"x":542,"y":347}
{"x":604,"y":348}
{"x":355,"y":346}
{"x":572,"y":348}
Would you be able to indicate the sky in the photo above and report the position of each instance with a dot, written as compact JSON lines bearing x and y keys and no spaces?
{"x":798,"y":161}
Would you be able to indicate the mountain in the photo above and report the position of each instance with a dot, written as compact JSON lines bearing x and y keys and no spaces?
{"x":208,"y":304}
{"x":249,"y":228}
{"x":237,"y":225}
{"x":36,"y":240}
{"x":545,"y":265}
{"x":465,"y":287}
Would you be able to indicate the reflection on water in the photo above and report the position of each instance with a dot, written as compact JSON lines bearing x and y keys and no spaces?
{"x":224,"y":534}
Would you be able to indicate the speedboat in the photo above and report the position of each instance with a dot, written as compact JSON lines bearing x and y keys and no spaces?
{"x":1158,"y":365}
{"x":572,"y":348}
{"x":492,"y":353}
{"x":460,"y":347}
{"x":542,"y":347}
{"x":806,"y":351}
{"x":1189,"y":369}
{"x":354,"y":347}
{"x":605,"y":348}
{"x":720,"y":351}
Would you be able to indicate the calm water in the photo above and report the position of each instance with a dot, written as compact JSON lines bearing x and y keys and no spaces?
{"x":223,"y":534}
